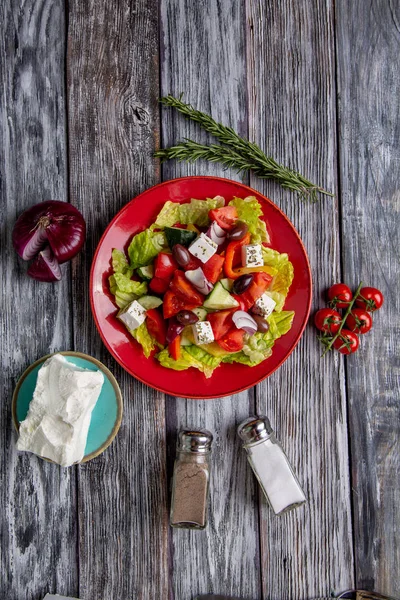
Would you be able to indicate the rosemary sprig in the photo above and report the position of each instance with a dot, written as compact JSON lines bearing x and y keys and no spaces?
{"x":237,"y":153}
{"x":328,"y":341}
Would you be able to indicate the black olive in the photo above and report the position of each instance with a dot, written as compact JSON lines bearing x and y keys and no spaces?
{"x":238,"y":232}
{"x":241,"y":284}
{"x":181,"y":255}
{"x":187,"y":317}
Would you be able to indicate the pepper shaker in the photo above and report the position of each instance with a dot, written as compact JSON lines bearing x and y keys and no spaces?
{"x":190,"y":483}
{"x":270,"y":465}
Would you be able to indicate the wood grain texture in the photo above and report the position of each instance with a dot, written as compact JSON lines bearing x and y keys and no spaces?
{"x":291,"y":78}
{"x":368,"y":41}
{"x":203,"y":55}
{"x":38,"y":500}
{"x":112,"y":66}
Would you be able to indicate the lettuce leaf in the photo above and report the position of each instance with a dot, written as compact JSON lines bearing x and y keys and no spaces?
{"x":144,"y":247}
{"x":142,"y":335}
{"x":249,"y":211}
{"x":191,"y":356}
{"x":125,"y":284}
{"x":196,"y":211}
{"x":122,"y":299}
{"x":282,"y":280}
{"x":119,"y":262}
{"x":168,"y":216}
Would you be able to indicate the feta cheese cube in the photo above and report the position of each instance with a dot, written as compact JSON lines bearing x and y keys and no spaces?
{"x":264,"y":306}
{"x":203,"y":333}
{"x":203,"y":248}
{"x":133,"y":315}
{"x":252,"y":256}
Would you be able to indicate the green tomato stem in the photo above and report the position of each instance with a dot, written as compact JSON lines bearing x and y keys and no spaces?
{"x":348,"y":311}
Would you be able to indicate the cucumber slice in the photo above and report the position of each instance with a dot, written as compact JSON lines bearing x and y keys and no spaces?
{"x":175,"y":235}
{"x":146,"y":273}
{"x":220,"y":299}
{"x":149,"y":302}
{"x":201,"y":313}
{"x":227,"y":284}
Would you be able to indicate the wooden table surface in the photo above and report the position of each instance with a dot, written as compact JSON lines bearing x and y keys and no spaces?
{"x":316,"y":84}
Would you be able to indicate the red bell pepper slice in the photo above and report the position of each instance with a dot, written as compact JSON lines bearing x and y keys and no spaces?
{"x":213,"y":267}
{"x":174,"y":348}
{"x":226,"y":216}
{"x":232,"y":341}
{"x":159,"y":286}
{"x":156,"y":326}
{"x":165,"y":266}
{"x":231,"y":255}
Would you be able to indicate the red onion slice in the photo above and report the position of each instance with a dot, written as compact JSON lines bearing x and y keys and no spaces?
{"x":45,"y":267}
{"x":244,"y":321}
{"x":199,"y":281}
{"x":216,"y":233}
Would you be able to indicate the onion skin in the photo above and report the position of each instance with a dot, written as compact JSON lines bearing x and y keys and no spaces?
{"x":45,"y":267}
{"x":57,"y":223}
{"x":199,"y":281}
{"x":216,"y":233}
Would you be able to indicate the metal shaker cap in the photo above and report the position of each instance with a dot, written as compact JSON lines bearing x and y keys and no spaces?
{"x":255,"y":429}
{"x":195,"y":440}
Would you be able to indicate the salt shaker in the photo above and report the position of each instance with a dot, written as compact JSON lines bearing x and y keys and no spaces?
{"x":270,"y":465}
{"x":190,"y":481}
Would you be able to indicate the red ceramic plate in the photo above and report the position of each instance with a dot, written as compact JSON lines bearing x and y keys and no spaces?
{"x":139,"y":214}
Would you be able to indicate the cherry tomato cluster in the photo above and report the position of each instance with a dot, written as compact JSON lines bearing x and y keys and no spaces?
{"x":340,"y":331}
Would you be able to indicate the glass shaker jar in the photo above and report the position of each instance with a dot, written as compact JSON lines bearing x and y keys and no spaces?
{"x":190,"y":481}
{"x":270,"y":465}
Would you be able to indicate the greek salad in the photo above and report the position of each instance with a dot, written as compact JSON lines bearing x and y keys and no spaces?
{"x":201,"y":286}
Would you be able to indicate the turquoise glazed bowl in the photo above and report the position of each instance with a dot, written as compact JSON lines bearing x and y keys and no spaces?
{"x":106,"y":415}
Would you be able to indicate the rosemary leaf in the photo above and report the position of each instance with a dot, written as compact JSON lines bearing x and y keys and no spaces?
{"x":236,"y":153}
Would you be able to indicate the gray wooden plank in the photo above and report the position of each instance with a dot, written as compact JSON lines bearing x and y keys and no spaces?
{"x":368,"y":36}
{"x":38,"y":517}
{"x":291,"y":79}
{"x":112,"y":67}
{"x":203,"y":55}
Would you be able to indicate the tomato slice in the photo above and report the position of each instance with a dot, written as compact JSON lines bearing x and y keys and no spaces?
{"x":260,"y":283}
{"x":156,"y":325}
{"x":159,"y":286}
{"x":174,"y":348}
{"x":213,"y":267}
{"x":184,"y":289}
{"x":221,"y":322}
{"x":232,"y":341}
{"x":165,"y":266}
{"x":173,"y":303}
{"x":226,"y":216}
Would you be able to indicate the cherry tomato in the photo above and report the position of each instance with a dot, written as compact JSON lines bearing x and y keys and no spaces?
{"x":327,"y":320}
{"x":339,"y":295}
{"x":359,"y":320}
{"x":347,"y":342}
{"x":370,"y":299}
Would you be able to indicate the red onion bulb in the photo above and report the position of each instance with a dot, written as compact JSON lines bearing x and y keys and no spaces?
{"x":56,"y":223}
{"x":45,"y":267}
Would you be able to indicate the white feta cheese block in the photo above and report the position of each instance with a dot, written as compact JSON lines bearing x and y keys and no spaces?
{"x":203,"y":333}
{"x":58,"y":597}
{"x":133,"y":315}
{"x":252,"y":256}
{"x":60,"y":411}
{"x":264,"y":305}
{"x":203,"y":248}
